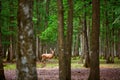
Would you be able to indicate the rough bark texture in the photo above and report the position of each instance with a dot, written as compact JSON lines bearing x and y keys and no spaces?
{"x":26,"y":58}
{"x":94,"y":60}
{"x":61,"y":44}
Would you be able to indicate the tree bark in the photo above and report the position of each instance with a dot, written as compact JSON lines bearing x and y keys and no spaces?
{"x":26,"y":58}
{"x":94,"y":59}
{"x":61,"y":44}
{"x":2,"y":76}
{"x":118,"y":44}
{"x":69,"y":39}
{"x":86,"y":46}
{"x":77,"y":43}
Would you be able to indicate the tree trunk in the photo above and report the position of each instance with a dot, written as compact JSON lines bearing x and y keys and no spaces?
{"x":94,"y":58}
{"x":69,"y":39}
{"x":107,"y":41}
{"x":2,"y":76}
{"x":39,"y":45}
{"x":77,"y":43}
{"x":86,"y":46}
{"x":82,"y":47}
{"x":61,"y":44}
{"x":26,"y":58}
{"x":118,"y":44}
{"x":112,"y":46}
{"x":47,"y":13}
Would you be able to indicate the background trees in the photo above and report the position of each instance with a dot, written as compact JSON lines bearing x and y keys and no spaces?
{"x":47,"y":34}
{"x":45,"y":19}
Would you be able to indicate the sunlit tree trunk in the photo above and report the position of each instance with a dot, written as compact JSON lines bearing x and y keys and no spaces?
{"x":94,"y":58}
{"x":26,"y":58}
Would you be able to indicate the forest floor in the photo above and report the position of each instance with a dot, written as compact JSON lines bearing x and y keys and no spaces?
{"x":50,"y":71}
{"x":77,"y":74}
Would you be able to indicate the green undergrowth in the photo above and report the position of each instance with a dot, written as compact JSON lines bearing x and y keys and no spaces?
{"x":75,"y":63}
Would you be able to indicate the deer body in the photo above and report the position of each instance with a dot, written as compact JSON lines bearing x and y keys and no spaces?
{"x":47,"y":56}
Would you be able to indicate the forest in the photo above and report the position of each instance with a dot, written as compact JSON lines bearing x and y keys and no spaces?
{"x":80,"y":39}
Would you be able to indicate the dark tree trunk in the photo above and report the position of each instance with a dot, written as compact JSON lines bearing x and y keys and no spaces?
{"x":118,"y":44}
{"x":94,"y":58}
{"x":26,"y":58}
{"x":47,"y":13}
{"x":69,"y":39}
{"x":2,"y":76}
{"x":106,"y":34}
{"x":61,"y":44}
{"x":38,"y":30}
{"x":112,"y":46}
{"x":77,"y":43}
{"x":86,"y":47}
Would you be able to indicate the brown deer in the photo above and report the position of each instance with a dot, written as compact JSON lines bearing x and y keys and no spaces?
{"x":48,"y":56}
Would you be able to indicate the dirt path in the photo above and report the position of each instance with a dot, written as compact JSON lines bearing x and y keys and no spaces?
{"x":77,"y":74}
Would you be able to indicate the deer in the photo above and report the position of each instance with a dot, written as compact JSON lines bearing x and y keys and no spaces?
{"x":48,"y":56}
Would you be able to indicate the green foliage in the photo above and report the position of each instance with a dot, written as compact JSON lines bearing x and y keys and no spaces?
{"x":49,"y":35}
{"x":5,"y":20}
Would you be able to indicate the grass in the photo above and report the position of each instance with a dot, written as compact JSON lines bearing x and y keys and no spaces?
{"x":75,"y":63}
{"x":112,"y":65}
{"x":10,"y":66}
